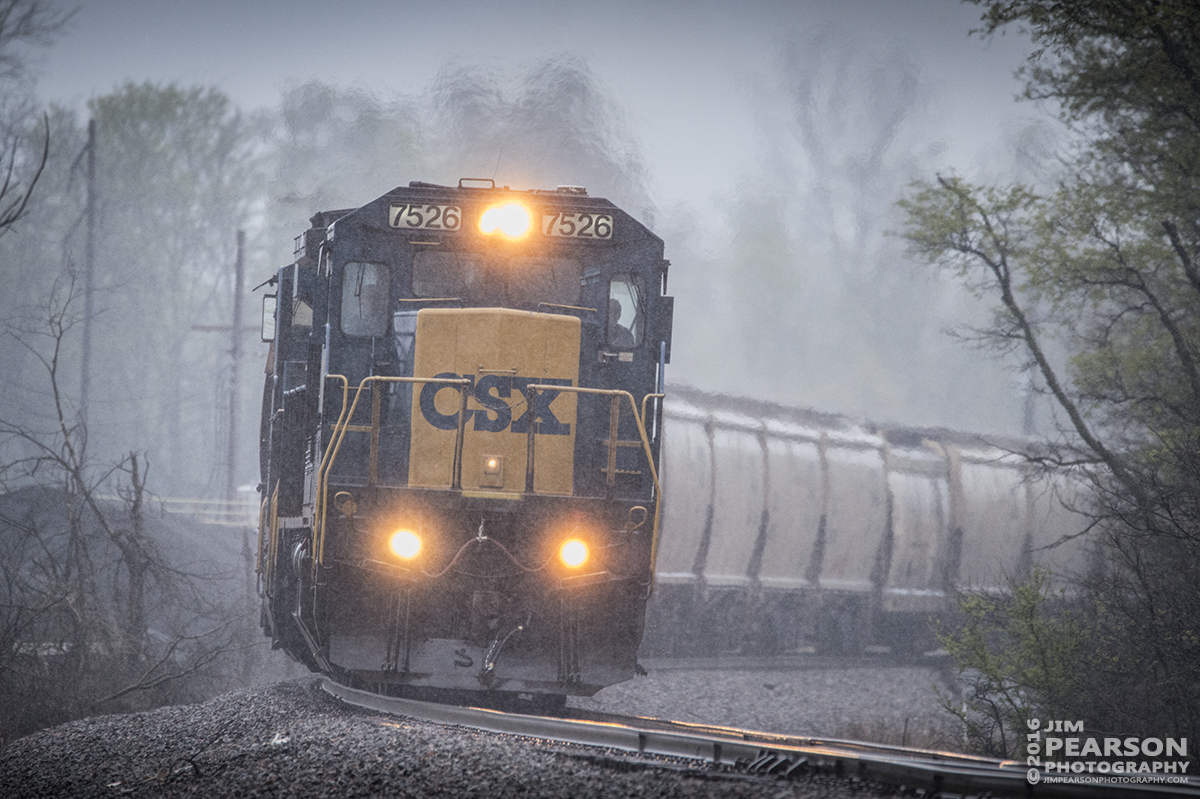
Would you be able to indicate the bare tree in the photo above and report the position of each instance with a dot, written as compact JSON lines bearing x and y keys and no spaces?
{"x":95,"y":614}
{"x":23,"y":24}
{"x":14,"y":198}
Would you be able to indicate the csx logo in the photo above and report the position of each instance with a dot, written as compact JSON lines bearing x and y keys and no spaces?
{"x":492,"y":391}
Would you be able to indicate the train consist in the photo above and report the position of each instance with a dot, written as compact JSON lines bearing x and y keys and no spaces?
{"x":460,"y":439}
{"x":790,"y":530}
{"x":462,"y":423}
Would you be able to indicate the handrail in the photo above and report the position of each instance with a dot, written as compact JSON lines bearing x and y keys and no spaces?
{"x":339,"y":434}
{"x":658,"y":494}
{"x":649,"y":397}
{"x":322,"y":474}
{"x":262,"y":523}
{"x":342,"y":425}
{"x":530,"y":389}
{"x":266,"y":521}
{"x":268,"y":583}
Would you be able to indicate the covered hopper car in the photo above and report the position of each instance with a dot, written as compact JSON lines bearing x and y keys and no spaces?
{"x":786,"y":529}
{"x":460,"y":440}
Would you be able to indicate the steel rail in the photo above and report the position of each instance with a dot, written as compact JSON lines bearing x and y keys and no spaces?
{"x":762,"y":753}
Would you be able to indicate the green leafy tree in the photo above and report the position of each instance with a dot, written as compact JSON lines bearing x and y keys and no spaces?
{"x":1020,"y":654}
{"x":1095,"y":287}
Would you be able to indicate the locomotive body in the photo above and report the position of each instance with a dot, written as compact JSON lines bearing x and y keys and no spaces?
{"x":460,"y":439}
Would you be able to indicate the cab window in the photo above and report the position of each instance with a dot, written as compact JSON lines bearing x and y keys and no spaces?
{"x":366,"y":299}
{"x":535,"y":280}
{"x":626,"y":311}
{"x":445,"y":274}
{"x":302,"y":314}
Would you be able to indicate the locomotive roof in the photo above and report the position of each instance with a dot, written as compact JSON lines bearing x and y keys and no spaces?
{"x":572,"y":195}
{"x":572,"y":204}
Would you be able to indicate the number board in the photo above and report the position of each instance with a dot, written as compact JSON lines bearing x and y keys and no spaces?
{"x":577,"y":226}
{"x":417,"y":216}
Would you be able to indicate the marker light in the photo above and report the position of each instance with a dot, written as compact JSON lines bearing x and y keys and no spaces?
{"x":406,"y":544}
{"x":510,"y":220}
{"x":573,"y":553}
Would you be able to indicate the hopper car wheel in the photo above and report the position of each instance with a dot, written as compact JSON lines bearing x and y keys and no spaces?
{"x":841,"y":627}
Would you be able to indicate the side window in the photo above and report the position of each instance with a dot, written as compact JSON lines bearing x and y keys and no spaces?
{"x":626,"y":311}
{"x":302,"y":314}
{"x":366,"y":299}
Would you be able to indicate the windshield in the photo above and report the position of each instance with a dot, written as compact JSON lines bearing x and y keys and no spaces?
{"x":514,"y":282}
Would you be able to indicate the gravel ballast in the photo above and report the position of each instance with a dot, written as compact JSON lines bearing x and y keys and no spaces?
{"x":871,"y":702}
{"x":291,"y":739}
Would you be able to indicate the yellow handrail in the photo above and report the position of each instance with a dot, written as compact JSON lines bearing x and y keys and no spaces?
{"x":339,"y":434}
{"x":341,"y":426}
{"x":322,"y":470}
{"x":268,"y":583}
{"x":645,"y":446}
{"x":262,"y":525}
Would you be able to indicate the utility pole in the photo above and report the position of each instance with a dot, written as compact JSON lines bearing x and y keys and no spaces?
{"x":235,"y":348}
{"x":89,"y":271}
{"x":235,"y":330}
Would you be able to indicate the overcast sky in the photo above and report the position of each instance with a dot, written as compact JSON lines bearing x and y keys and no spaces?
{"x":683,"y":71}
{"x":706,"y":89}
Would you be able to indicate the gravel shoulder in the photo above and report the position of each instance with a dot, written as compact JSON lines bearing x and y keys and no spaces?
{"x":291,"y":739}
{"x":883,"y":704}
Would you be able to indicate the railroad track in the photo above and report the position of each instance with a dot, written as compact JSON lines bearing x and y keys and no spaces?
{"x":756,"y":753}
{"x":794,"y":662}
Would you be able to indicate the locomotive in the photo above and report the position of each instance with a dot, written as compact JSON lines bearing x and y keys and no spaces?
{"x":460,"y":441}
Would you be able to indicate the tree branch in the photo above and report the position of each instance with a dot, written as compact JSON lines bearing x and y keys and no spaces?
{"x":1189,"y":267}
{"x":1001,"y":271}
{"x":17,"y":205}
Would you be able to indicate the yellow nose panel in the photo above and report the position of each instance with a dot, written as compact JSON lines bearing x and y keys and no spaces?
{"x":501,"y":351}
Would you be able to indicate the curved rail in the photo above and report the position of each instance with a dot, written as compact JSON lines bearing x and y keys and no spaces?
{"x":762,"y":753}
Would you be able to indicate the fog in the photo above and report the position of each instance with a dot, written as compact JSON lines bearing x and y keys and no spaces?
{"x":684,"y":72}
{"x":766,"y":142}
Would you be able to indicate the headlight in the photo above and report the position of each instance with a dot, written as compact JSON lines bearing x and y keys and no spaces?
{"x":573,"y":553}
{"x":510,"y":220}
{"x":405,"y":544}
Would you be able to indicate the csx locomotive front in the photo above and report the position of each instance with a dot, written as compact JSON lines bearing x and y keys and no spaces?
{"x":460,"y":441}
